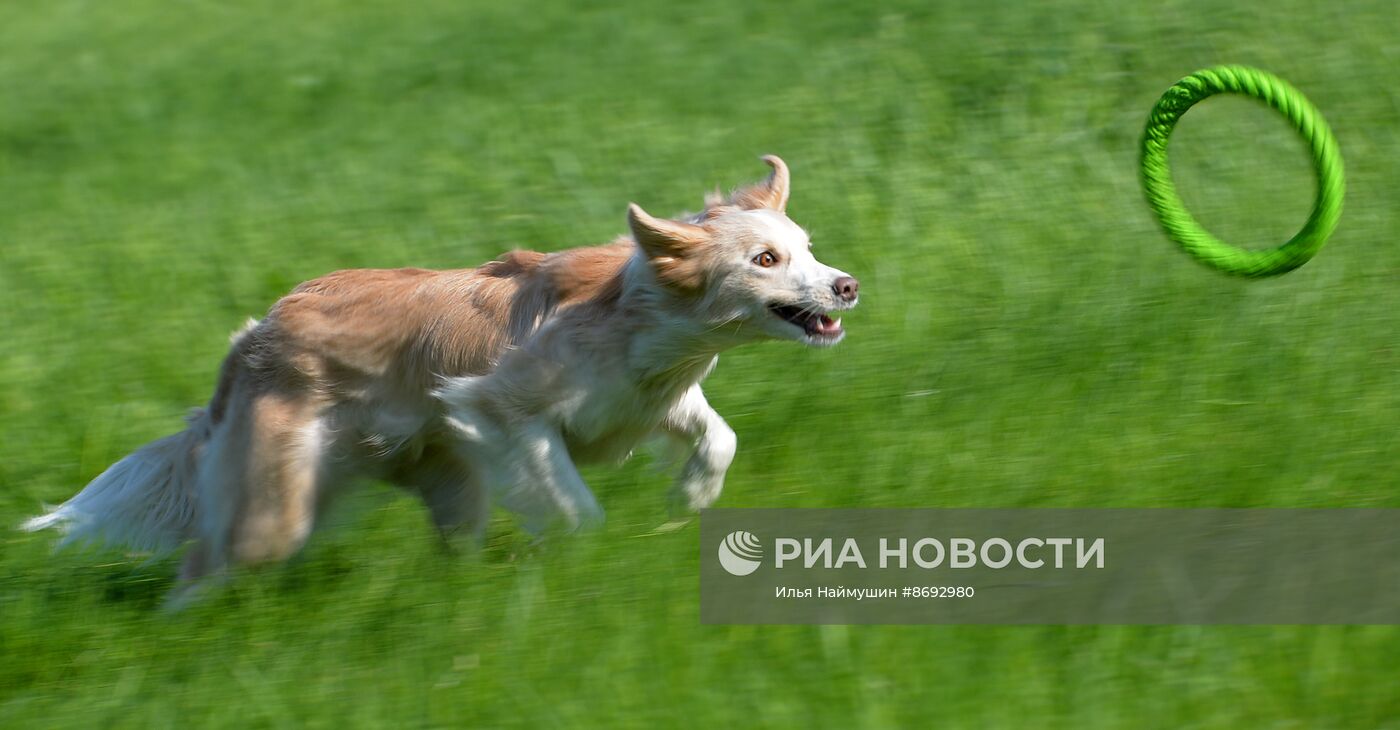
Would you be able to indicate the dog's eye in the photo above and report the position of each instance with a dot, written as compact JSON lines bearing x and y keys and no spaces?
{"x":765,"y":259}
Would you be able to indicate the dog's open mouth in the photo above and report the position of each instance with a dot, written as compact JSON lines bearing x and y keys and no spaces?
{"x":815,"y":324}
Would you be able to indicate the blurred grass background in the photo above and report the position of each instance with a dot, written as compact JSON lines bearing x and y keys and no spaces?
{"x":1026,"y":338}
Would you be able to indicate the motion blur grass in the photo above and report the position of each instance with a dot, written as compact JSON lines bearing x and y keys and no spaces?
{"x":1027,"y":337}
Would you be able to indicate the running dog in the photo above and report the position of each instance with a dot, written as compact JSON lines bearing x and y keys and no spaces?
{"x":474,"y":385}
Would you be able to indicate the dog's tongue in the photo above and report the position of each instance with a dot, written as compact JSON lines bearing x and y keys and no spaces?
{"x":824,"y":325}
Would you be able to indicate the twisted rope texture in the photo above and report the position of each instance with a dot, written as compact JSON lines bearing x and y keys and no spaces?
{"x":1172,"y":213}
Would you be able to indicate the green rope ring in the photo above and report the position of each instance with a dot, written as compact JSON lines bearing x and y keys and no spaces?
{"x":1172,"y":213}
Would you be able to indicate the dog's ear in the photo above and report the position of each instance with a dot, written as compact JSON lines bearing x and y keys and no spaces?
{"x":670,"y":246}
{"x":663,"y":237}
{"x":771,"y":193}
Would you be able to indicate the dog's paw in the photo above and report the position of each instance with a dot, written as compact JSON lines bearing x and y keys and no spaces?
{"x":692,"y":495}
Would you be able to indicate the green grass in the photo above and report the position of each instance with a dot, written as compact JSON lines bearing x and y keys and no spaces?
{"x":1027,"y":338}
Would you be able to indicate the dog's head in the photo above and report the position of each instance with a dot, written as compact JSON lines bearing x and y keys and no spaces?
{"x":746,"y":267}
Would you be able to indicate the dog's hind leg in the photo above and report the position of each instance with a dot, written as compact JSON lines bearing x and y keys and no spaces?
{"x":457,"y":503}
{"x":284,"y":470}
{"x":258,"y":484}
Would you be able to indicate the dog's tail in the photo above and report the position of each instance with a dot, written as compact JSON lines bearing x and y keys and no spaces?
{"x":145,"y":501}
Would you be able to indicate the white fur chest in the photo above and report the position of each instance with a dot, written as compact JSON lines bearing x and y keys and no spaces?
{"x":604,"y":420}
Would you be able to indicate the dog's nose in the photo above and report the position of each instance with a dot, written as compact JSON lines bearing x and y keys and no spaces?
{"x":846,"y":287}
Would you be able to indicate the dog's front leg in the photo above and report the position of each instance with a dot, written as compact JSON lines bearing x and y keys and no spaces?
{"x":528,"y":470}
{"x":547,"y":474}
{"x":702,"y":478}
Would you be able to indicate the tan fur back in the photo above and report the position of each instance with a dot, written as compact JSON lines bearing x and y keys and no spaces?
{"x":396,"y":332}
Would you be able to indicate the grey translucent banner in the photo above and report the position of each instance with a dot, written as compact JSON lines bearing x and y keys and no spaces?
{"x":1050,"y":566}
